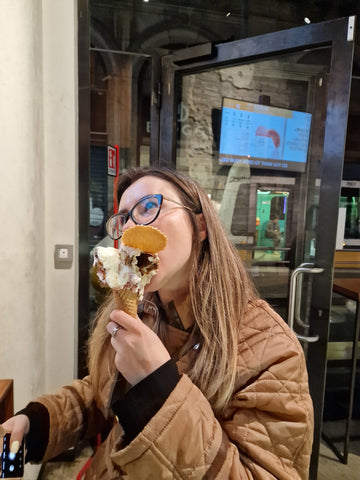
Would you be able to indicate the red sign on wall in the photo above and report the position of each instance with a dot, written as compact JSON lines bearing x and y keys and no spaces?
{"x":113,"y":160}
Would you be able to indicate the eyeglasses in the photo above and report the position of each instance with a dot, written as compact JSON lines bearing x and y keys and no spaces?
{"x":144,"y":212}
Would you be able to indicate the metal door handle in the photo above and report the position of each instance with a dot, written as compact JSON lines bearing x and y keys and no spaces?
{"x":297,"y":307}
{"x":295,"y":299}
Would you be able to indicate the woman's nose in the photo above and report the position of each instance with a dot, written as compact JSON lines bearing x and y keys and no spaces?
{"x":129,"y":223}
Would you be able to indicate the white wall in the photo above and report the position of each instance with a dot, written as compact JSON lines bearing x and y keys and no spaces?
{"x":61,"y":162}
{"x":38,"y":188}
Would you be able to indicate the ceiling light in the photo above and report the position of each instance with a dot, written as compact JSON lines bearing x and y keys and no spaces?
{"x":307,"y":20}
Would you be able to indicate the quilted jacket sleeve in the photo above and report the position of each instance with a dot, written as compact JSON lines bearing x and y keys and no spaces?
{"x":265,"y":433}
{"x":73,"y":414}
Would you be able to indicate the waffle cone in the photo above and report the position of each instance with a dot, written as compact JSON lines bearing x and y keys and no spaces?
{"x":126,"y":300}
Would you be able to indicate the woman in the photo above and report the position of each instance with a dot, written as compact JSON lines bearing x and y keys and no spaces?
{"x":211,"y":383}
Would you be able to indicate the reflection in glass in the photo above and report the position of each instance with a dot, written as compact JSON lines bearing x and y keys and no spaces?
{"x":265,"y":205}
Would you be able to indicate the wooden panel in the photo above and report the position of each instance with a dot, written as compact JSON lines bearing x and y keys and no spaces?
{"x":6,"y":399}
{"x":347,"y":259}
{"x":349,"y":287}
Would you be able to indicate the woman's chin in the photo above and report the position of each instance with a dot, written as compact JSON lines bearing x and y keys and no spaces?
{"x":152,"y":287}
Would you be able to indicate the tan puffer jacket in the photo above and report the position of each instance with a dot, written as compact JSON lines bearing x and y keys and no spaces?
{"x":265,"y":433}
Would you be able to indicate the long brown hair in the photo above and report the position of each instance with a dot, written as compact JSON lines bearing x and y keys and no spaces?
{"x":219,"y":290}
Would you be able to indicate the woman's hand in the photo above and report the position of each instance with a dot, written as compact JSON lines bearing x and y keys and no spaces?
{"x":139,"y":351}
{"x":18,"y":426}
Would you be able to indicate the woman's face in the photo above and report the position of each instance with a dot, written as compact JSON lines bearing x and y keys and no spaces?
{"x":172,"y":278}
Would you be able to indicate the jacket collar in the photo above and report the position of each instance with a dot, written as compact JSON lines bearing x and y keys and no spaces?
{"x":173,"y":315}
{"x":173,"y":335}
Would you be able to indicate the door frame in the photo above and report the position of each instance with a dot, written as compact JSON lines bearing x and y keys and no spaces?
{"x":339,"y":35}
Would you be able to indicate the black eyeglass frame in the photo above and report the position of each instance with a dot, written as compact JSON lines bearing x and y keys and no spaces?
{"x":160,"y":198}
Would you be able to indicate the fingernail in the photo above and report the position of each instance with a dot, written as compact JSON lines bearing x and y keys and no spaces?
{"x":15,"y":447}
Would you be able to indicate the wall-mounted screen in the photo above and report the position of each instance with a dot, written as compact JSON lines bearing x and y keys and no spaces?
{"x":261,"y":136}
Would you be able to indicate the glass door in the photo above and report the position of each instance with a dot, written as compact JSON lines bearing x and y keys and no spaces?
{"x":261,"y":124}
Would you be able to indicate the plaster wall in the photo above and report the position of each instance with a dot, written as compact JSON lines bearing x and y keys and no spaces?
{"x":38,"y":155}
{"x":61,"y":198}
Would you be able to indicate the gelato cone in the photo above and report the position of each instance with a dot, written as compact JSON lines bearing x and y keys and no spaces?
{"x":126,"y":300}
{"x":130,"y":268}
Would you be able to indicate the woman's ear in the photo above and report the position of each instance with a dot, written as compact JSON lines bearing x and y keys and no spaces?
{"x":202,"y":230}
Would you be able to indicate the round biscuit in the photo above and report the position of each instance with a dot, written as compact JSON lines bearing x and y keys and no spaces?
{"x":145,"y":238}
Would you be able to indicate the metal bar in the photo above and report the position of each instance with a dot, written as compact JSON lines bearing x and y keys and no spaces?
{"x":338,"y":95}
{"x":274,"y":43}
{"x":119,"y":52}
{"x":204,"y":51}
{"x":155,"y":108}
{"x":333,"y":447}
{"x":83,"y":179}
{"x":167,"y":145}
{"x":352,"y":383}
{"x":298,"y":299}
{"x":295,"y":295}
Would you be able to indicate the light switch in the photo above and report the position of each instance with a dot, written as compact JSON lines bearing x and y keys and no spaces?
{"x":63,"y":256}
